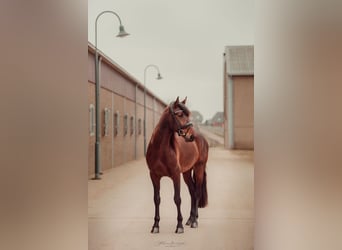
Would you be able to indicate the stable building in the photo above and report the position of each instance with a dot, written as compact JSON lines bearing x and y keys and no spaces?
{"x":238,"y":97}
{"x":122,"y":113}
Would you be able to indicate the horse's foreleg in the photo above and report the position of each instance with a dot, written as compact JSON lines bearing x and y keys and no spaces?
{"x":177,"y":199}
{"x":192,"y":221}
{"x":156,"y":197}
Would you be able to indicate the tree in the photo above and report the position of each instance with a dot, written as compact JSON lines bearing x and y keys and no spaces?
{"x":196,"y":116}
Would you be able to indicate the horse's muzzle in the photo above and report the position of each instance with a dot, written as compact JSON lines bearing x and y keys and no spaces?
{"x":190,"y":138}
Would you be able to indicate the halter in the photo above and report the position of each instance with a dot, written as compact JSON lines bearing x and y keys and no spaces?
{"x":180,"y":128}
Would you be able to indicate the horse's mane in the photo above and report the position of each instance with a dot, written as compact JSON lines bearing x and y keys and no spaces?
{"x":162,"y":123}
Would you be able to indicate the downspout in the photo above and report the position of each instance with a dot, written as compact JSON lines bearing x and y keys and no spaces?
{"x":135,"y":122}
{"x":225,"y":101}
{"x":112,"y":133}
{"x":154,"y":112}
{"x":230,"y":112}
{"x":125,"y":126}
{"x":98,"y":172}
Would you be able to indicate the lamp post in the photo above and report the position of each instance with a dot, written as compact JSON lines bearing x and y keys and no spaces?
{"x":122,"y":33}
{"x":159,"y":77}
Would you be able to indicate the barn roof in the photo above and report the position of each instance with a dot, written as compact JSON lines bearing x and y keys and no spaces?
{"x":123,"y":72}
{"x":240,"y":60}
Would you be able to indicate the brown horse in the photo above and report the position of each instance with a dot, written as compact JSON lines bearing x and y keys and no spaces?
{"x":175,"y":148}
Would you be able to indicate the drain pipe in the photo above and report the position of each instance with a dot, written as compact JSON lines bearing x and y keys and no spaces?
{"x":135,"y":121}
{"x":230,"y":112}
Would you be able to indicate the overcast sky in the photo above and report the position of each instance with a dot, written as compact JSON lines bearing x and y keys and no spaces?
{"x":185,"y":39}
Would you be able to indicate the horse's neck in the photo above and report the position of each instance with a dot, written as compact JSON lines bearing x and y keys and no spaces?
{"x":162,"y":134}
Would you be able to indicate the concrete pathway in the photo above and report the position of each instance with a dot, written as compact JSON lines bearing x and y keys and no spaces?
{"x":121,"y":210}
{"x":212,"y":138}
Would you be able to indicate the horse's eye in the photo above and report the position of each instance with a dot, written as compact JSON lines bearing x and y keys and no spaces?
{"x":180,"y":114}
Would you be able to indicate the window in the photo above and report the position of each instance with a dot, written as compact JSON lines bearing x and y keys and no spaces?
{"x":116,"y":123}
{"x":106,"y":121}
{"x":125,"y":124}
{"x":92,"y":120}
{"x":139,"y":126}
{"x":132,"y":125}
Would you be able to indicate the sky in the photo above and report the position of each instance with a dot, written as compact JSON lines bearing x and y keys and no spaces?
{"x":184,"y":39}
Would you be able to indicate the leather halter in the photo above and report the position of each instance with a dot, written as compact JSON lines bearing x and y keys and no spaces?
{"x":180,"y":128}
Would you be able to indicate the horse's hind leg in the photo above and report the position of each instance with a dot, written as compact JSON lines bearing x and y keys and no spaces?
{"x":177,"y":199}
{"x":192,"y":221}
{"x":201,"y":198}
{"x":156,"y":197}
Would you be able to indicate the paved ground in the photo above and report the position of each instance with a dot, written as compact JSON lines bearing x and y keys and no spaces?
{"x":212,"y":138}
{"x":121,"y":209}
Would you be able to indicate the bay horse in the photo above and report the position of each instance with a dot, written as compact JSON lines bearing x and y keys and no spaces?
{"x":174,"y":148}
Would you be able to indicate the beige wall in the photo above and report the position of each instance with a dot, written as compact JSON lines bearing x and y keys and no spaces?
{"x":243,"y":112}
{"x":129,"y":137}
{"x":119,"y":94}
{"x":106,"y":141}
{"x":140,"y":136}
{"x":118,"y":144}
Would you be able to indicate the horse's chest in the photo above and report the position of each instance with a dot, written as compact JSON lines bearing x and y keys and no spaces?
{"x":186,"y":154}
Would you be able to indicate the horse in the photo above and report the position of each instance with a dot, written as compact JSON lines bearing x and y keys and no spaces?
{"x":176,"y":147}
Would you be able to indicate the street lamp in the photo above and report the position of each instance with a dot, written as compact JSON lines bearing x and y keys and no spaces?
{"x":122,"y":33}
{"x":159,"y":77}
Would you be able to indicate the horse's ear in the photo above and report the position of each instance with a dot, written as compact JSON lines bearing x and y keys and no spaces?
{"x":184,"y":101}
{"x":177,"y":101}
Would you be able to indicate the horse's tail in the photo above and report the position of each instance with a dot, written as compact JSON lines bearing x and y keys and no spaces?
{"x":203,"y":201}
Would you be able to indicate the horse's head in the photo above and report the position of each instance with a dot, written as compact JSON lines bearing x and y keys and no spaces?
{"x":181,"y":119}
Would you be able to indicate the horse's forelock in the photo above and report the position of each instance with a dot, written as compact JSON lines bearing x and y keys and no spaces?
{"x":184,"y":108}
{"x":181,"y":106}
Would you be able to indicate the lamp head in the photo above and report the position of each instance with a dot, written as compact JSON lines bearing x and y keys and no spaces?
{"x":122,"y":32}
{"x":159,"y":77}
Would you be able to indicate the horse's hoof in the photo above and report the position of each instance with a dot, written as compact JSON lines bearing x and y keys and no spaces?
{"x":155,"y":230}
{"x":188,"y":223}
{"x":194,"y":224}
{"x":179,"y":230}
